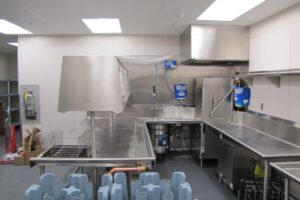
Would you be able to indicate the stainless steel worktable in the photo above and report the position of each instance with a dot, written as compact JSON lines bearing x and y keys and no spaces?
{"x":291,"y":170}
{"x":122,"y":141}
{"x":266,"y":146}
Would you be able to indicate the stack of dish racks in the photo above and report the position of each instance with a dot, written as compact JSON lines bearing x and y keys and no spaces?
{"x":149,"y":186}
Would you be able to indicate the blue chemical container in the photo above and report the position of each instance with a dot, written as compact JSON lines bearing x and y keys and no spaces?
{"x":242,"y":97}
{"x":180,"y":91}
{"x":170,"y":64}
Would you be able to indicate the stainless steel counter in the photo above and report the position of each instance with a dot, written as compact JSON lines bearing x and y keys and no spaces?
{"x":266,"y":146}
{"x":129,"y":139}
{"x":289,"y":169}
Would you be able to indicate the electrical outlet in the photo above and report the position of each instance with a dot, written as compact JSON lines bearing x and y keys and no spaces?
{"x":261,"y":106}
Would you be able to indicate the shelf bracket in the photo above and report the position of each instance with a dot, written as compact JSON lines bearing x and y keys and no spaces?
{"x":248,"y":80}
{"x":275,"y":80}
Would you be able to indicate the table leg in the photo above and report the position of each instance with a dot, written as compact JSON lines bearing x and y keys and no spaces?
{"x":266,"y":180}
{"x":202,"y":145}
{"x":95,"y":183}
{"x":42,"y":170}
{"x":286,"y":188}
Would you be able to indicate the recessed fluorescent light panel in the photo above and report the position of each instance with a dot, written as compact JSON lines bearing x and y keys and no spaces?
{"x":228,"y":10}
{"x":7,"y":27}
{"x":103,"y":25}
{"x":14,"y":44}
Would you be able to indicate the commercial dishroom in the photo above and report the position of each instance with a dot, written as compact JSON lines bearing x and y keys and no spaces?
{"x":150,"y":99}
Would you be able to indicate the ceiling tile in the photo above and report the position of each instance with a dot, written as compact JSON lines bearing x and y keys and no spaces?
{"x":139,"y":9}
{"x":72,"y":27}
{"x":15,"y":13}
{"x":136,"y":16}
{"x":71,"y":9}
{"x":173,"y":28}
{"x":183,"y":10}
{"x":137,"y":26}
{"x":265,"y":10}
{"x":77,"y":9}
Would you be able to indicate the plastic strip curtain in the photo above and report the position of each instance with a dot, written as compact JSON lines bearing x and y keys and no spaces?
{"x":143,"y":60}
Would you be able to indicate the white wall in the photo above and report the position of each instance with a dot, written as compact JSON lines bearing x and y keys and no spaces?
{"x":40,"y":59}
{"x":280,"y":101}
{"x":284,"y":101}
{"x":3,"y":66}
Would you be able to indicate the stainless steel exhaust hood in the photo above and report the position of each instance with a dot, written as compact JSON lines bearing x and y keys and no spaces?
{"x":205,"y":44}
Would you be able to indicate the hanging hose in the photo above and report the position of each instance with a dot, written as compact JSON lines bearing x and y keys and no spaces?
{"x":140,"y":168}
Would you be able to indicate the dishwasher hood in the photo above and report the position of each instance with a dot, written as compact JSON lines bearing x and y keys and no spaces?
{"x":93,"y":83}
{"x":207,"y":44}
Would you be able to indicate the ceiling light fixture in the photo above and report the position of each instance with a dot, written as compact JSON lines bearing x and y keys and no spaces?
{"x":7,"y":27}
{"x":103,"y":25}
{"x":228,"y":10}
{"x":14,"y":44}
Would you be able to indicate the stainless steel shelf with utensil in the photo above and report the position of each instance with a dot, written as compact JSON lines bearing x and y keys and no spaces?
{"x":126,"y":144}
{"x":67,"y":151}
{"x":291,"y":171}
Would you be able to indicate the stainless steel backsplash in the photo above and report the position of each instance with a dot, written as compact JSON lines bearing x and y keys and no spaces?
{"x":280,"y":128}
{"x":141,"y":82}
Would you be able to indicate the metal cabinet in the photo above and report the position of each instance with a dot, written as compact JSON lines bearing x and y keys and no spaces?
{"x":213,"y":90}
{"x":267,"y":55}
{"x":234,"y":163}
{"x":209,"y":146}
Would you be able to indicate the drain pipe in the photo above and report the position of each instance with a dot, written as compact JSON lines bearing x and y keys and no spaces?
{"x":140,"y":168}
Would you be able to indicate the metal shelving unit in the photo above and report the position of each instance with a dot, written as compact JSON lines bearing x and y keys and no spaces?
{"x":9,"y":96}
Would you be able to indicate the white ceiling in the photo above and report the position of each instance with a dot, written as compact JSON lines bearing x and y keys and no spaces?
{"x":48,"y":17}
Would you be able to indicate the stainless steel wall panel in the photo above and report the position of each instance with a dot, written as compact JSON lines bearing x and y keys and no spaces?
{"x":141,"y":82}
{"x":145,"y":111}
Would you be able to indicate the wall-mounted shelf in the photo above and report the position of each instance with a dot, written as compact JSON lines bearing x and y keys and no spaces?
{"x":272,"y":76}
{"x":9,"y":96}
{"x":270,"y":73}
{"x":12,"y":109}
